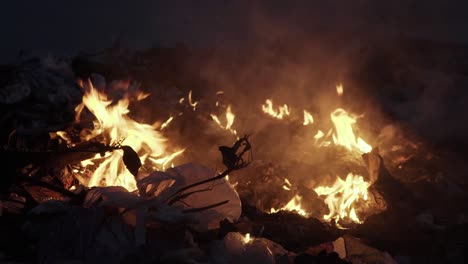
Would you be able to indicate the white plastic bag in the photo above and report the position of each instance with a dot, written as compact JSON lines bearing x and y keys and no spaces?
{"x":210,"y":193}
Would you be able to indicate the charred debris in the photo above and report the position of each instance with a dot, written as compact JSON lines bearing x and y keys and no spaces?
{"x":190,"y":213}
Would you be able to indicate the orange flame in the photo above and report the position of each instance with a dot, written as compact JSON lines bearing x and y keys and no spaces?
{"x":294,"y":205}
{"x":165,"y":124}
{"x":344,"y":132}
{"x":278,"y":113}
{"x":113,"y":126}
{"x":191,"y":102}
{"x":343,"y":196}
{"x":229,"y":120}
{"x":308,"y":119}
{"x":247,"y":238}
{"x":339,"y":89}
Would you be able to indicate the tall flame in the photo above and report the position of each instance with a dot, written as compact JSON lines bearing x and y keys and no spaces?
{"x":344,"y":132}
{"x":343,"y":197}
{"x":113,"y":126}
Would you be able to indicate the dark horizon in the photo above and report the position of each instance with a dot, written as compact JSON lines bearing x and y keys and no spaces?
{"x":65,"y":28}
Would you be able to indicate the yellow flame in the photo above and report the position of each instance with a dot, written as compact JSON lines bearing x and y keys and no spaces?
{"x":61,"y":135}
{"x":339,"y":89}
{"x":165,"y":124}
{"x":142,"y":96}
{"x":230,"y":117}
{"x":319,"y":135}
{"x":191,"y":102}
{"x":342,"y":197}
{"x":114,"y":126}
{"x":164,"y":161}
{"x":308,"y":119}
{"x":294,"y":205}
{"x":247,"y":238}
{"x":344,"y":133}
{"x":278,"y":113}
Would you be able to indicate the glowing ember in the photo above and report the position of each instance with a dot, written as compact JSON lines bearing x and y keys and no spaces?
{"x":191,"y":102}
{"x":343,"y":196}
{"x":113,"y":126}
{"x":229,"y":120}
{"x":308,"y":119}
{"x":344,"y":133}
{"x":165,"y":124}
{"x":319,"y":135}
{"x":294,"y":205}
{"x":247,"y":238}
{"x":142,"y":96}
{"x":278,"y":113}
{"x":339,"y":89}
{"x":287,"y":185}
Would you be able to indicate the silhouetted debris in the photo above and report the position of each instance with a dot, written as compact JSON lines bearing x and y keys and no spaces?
{"x":321,"y":258}
{"x":42,"y":219}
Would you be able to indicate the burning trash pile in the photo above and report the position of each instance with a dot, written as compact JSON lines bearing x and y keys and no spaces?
{"x":88,"y":180}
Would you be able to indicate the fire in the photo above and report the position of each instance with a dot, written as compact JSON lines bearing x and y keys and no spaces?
{"x":278,"y":113}
{"x":191,"y":102}
{"x":344,"y":132}
{"x":229,"y":120}
{"x":247,"y":238}
{"x":339,"y":89}
{"x":294,"y":205}
{"x":113,"y":126}
{"x":308,"y":119}
{"x":287,"y":185}
{"x":343,"y":197}
{"x":165,"y":124}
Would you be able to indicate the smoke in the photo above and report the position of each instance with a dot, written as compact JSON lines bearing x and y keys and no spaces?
{"x":294,"y":52}
{"x":58,"y":27}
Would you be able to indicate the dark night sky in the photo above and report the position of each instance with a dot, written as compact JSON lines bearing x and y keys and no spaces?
{"x":65,"y":27}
